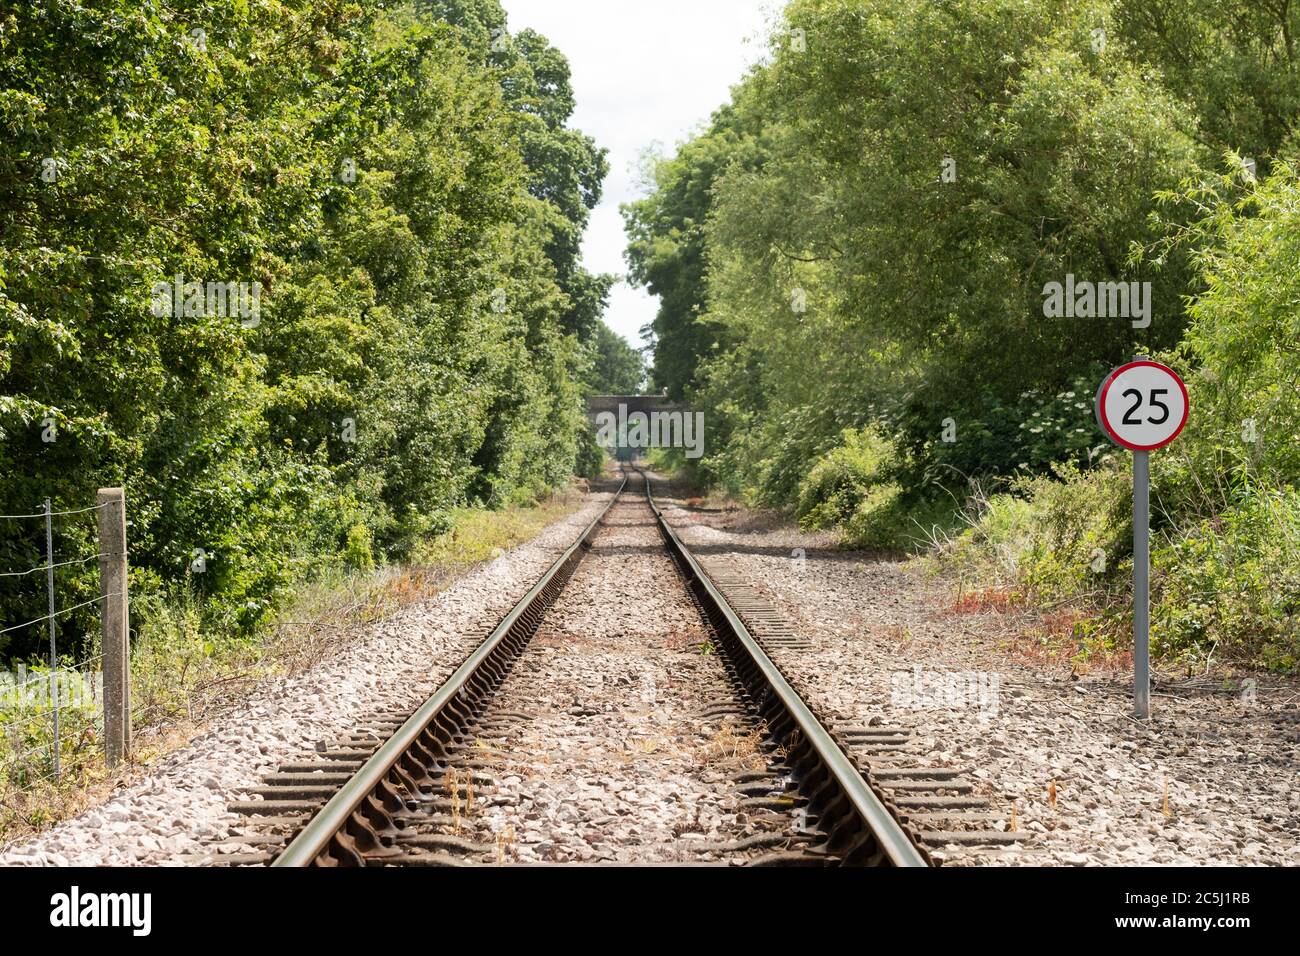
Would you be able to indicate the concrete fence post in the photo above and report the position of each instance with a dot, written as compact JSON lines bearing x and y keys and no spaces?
{"x":115,"y":617}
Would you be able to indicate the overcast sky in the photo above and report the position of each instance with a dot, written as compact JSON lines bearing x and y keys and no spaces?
{"x":644,"y":72}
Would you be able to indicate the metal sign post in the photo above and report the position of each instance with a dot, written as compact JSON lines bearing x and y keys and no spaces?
{"x":1142,"y":584}
{"x":1142,"y":406}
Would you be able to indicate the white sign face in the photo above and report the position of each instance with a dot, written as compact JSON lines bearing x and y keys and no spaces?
{"x":1143,"y":406}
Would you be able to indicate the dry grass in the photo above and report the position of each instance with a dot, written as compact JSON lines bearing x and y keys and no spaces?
{"x":994,"y":600}
{"x":898,"y":633}
{"x":1051,"y":639}
{"x":325,"y":612}
{"x":506,"y":844}
{"x":460,"y":787}
{"x":1027,"y":633}
{"x":729,"y":744}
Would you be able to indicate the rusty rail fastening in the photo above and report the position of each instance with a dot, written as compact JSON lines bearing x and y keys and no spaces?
{"x":358,"y":825}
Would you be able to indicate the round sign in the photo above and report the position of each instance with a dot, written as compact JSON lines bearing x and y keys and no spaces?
{"x":1143,"y":406}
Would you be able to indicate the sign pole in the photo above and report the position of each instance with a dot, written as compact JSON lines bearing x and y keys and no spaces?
{"x":1142,"y":406}
{"x":1142,"y":584}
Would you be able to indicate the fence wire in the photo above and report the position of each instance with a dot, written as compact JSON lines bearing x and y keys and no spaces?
{"x":46,"y":567}
{"x":49,"y":686}
{"x":59,"y":613}
{"x":57,"y":514}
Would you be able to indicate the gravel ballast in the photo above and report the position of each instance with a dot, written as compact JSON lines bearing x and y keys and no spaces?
{"x":611,"y":754}
{"x":607,"y":755}
{"x":167,"y":813}
{"x":1211,"y":779}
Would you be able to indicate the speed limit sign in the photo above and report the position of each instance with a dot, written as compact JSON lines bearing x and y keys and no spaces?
{"x":1143,"y":406}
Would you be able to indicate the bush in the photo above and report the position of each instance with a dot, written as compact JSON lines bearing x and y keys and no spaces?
{"x":1029,"y":435}
{"x":591,"y":457}
{"x":844,"y":480}
{"x":1226,"y":586}
{"x":1229,"y":586}
{"x":357,"y":552}
{"x":26,"y":724}
{"x":1061,"y":538}
{"x":850,"y":490}
{"x":889,"y":520}
{"x":180,"y":659}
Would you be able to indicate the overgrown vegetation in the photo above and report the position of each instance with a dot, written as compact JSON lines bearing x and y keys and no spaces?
{"x":619,"y":369}
{"x":852,"y":259}
{"x":397,"y":192}
{"x":401,"y":182}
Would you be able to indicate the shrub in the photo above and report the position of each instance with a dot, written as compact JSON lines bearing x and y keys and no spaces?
{"x":1229,"y":586}
{"x":591,"y":457}
{"x":1059,"y":538}
{"x":850,"y":490}
{"x":1225,"y":586}
{"x":844,"y":480}
{"x":26,"y":724}
{"x":357,"y":551}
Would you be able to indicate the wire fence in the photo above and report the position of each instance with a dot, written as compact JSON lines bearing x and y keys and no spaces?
{"x":58,"y":704}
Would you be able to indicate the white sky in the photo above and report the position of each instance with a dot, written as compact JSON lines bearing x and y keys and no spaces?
{"x":644,"y":72}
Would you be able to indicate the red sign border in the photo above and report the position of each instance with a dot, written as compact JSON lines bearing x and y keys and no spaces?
{"x":1105,"y":421}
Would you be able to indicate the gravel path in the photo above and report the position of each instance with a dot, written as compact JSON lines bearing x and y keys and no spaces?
{"x":606,"y":754}
{"x":178,"y":804}
{"x":1211,"y":780}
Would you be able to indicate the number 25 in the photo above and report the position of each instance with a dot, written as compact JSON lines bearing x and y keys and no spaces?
{"x":1155,"y":402}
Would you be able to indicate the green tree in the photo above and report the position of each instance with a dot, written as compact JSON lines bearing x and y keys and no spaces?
{"x":877,"y":248}
{"x":416,"y":347}
{"x":666,"y":245}
{"x":618,"y":368}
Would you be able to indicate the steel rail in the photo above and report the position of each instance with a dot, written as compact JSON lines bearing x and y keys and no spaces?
{"x":315,"y":839}
{"x":892,"y":839}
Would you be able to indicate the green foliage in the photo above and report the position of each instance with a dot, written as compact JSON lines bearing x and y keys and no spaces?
{"x":1059,"y":536}
{"x":591,"y":457}
{"x":842,"y":481}
{"x":1229,"y":586}
{"x":1039,"y":428}
{"x":861,"y":241}
{"x":26,"y":711}
{"x":1225,"y":559}
{"x":1225,"y":586}
{"x":618,"y":369}
{"x":852,"y":489}
{"x":666,"y":244}
{"x":410,"y":201}
{"x":892,"y":520}
{"x":1234,"y":64}
{"x":358,"y":551}
{"x":816,"y":273}
{"x":1243,"y":339}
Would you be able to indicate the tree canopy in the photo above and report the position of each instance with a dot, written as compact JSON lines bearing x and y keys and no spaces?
{"x":400,"y":188}
{"x":864,"y":234}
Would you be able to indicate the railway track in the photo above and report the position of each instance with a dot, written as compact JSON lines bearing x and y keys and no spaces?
{"x":404,"y":789}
